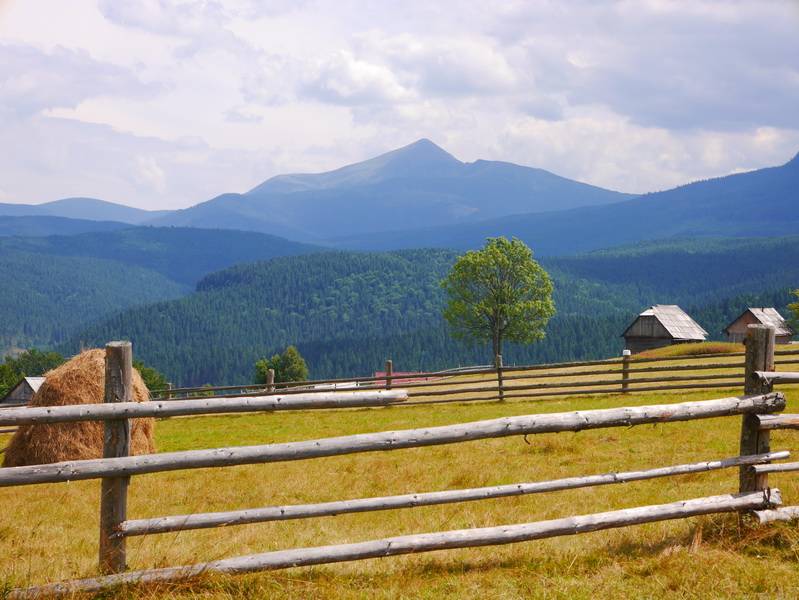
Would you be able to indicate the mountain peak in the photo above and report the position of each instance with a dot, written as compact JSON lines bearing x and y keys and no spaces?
{"x":421,"y":153}
{"x":422,"y":156}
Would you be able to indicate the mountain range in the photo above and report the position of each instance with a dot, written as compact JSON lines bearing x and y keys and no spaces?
{"x":422,"y":196}
{"x":418,"y":184}
{"x":83,"y":208}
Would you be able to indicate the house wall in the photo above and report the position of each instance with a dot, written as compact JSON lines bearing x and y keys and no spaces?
{"x":737,"y":331}
{"x":647,"y":327}
{"x":21,"y":394}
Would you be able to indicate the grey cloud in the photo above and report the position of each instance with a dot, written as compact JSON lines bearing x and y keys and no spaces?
{"x":724,"y":70}
{"x":56,"y":158}
{"x":32,"y":80}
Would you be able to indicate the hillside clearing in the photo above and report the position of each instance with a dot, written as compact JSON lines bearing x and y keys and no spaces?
{"x":705,"y":556}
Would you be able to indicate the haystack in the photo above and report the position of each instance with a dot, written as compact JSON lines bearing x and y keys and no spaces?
{"x":79,"y":381}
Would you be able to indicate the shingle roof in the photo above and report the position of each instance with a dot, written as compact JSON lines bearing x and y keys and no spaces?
{"x":676,"y":321}
{"x":768,"y":316}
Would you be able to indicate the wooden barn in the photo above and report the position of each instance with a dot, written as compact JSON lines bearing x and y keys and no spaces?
{"x":23,"y":391}
{"x":662,"y":325}
{"x":736,"y":331}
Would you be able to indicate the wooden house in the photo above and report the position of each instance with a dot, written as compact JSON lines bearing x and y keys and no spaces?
{"x":662,"y":325}
{"x":736,"y":331}
{"x":23,"y":391}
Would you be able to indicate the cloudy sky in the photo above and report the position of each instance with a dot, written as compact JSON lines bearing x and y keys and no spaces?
{"x":164,"y":104}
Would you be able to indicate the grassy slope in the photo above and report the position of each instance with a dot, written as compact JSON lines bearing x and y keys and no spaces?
{"x":702,"y":557}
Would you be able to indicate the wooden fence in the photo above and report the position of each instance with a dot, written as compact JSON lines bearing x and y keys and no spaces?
{"x":626,"y":374}
{"x":757,"y":407}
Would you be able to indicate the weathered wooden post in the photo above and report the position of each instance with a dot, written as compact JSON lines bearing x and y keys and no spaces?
{"x":169,"y":387}
{"x":759,"y":357}
{"x":389,"y":373}
{"x":270,"y":380}
{"x":116,"y":443}
{"x":625,"y":371}
{"x":500,"y":385}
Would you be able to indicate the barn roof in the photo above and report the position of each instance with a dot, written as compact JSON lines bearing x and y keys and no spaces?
{"x":767,"y":316}
{"x":675,"y":320}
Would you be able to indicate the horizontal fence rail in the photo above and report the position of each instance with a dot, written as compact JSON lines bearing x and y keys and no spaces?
{"x":783,"y":513}
{"x":390,"y":440}
{"x":424,"y":542}
{"x":779,"y":377}
{"x":340,"y":507}
{"x":783,"y":421}
{"x":205,"y":406}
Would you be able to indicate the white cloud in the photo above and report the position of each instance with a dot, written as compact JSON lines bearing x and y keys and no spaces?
{"x":346,"y":79}
{"x":150,"y":173}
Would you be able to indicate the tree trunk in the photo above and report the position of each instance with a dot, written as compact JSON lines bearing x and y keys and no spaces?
{"x":497,"y":347}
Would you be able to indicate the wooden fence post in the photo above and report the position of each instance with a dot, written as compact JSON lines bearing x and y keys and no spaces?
{"x":500,"y":383}
{"x":116,"y":443}
{"x":759,"y":357}
{"x":389,"y":373}
{"x":625,"y":371}
{"x":169,"y":387}
{"x":270,"y":380}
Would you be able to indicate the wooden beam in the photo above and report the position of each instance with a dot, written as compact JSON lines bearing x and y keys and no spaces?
{"x":773,"y":377}
{"x":204,"y":406}
{"x":390,"y":440}
{"x":340,"y":507}
{"x":424,"y":542}
{"x":781,"y":468}
{"x":783,"y":421}
{"x":783,"y":513}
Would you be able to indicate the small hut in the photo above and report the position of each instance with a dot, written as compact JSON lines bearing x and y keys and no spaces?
{"x":662,"y":325}
{"x":736,"y":331}
{"x":22,"y":392}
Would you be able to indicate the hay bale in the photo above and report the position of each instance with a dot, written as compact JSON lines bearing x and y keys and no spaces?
{"x":78,"y":381}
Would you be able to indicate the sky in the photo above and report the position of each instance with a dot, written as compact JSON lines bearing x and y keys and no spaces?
{"x":162,"y":104}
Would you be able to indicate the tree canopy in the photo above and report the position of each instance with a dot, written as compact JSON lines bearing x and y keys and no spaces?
{"x":289,"y":366}
{"x":153,"y":379}
{"x":32,"y":363}
{"x":499,"y":293}
{"x":794,"y":308}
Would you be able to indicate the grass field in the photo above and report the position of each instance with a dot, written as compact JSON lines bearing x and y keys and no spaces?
{"x":49,"y":533}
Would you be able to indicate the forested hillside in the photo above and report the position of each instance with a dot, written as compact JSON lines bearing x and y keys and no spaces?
{"x":182,"y":254}
{"x":348,"y":312}
{"x":45,"y":299}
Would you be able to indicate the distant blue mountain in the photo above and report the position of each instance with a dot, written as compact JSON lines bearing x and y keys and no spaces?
{"x":418,"y":185}
{"x":758,"y":203}
{"x":83,"y":208}
{"x":43,"y":226}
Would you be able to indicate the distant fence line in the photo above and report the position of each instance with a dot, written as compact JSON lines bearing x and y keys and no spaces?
{"x":619,"y":375}
{"x":757,"y":408}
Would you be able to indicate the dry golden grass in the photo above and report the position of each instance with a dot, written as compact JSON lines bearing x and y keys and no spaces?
{"x":49,"y":533}
{"x":693,"y":349}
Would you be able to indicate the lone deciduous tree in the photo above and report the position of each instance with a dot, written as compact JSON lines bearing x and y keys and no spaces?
{"x":498,"y":293}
